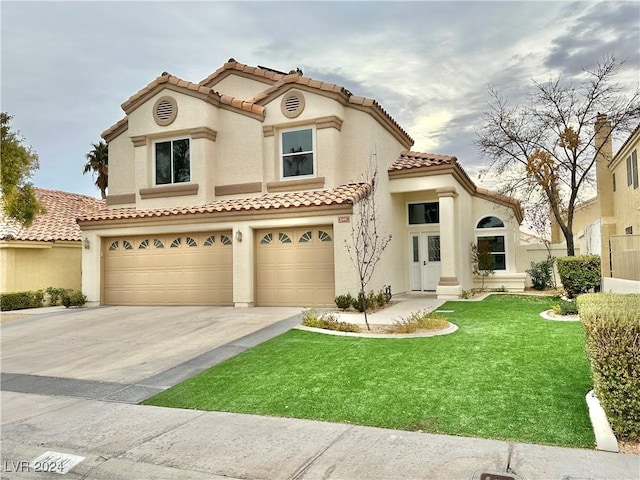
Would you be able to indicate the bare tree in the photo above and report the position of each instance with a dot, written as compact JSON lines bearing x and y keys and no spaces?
{"x":544,"y":153}
{"x":481,"y":262}
{"x":367,"y":241}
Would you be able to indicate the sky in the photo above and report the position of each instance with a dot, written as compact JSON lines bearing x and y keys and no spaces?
{"x":66,"y":67}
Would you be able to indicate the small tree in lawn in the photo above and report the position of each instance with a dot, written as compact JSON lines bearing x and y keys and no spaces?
{"x":481,"y":262}
{"x":367,"y":241}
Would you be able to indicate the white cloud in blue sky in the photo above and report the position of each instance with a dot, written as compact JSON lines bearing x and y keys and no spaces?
{"x":68,"y":66}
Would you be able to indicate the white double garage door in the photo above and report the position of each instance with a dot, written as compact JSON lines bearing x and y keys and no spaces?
{"x":293,"y":267}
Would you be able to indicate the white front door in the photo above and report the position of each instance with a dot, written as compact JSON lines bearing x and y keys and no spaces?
{"x":425,"y":261}
{"x":431,"y":261}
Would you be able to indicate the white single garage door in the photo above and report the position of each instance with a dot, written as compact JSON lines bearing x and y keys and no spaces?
{"x":177,"y":269}
{"x":294,"y":267}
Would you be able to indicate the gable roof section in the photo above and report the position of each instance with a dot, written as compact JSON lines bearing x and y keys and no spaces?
{"x":58,"y":223}
{"x":346,"y":195}
{"x":417,"y":164}
{"x":265,"y":75}
{"x":281,"y":82}
{"x":171,"y":82}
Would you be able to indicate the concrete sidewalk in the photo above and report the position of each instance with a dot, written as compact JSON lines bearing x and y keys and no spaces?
{"x":401,"y":307}
{"x":122,"y":441}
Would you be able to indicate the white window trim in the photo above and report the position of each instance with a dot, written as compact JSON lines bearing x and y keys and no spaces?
{"x":153,"y":154}
{"x":420,"y":225}
{"x":314,"y":152}
{"x":494,"y":232}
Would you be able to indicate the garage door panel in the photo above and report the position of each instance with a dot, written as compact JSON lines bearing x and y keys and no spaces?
{"x":295,"y":266}
{"x":197,"y":270}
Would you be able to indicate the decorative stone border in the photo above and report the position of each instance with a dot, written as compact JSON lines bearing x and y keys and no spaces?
{"x":554,"y":317}
{"x":452,"y":327}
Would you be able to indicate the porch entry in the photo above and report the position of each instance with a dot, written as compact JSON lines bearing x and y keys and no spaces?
{"x":425,"y":261}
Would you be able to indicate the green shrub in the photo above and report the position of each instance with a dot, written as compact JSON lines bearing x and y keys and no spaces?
{"x":579,"y":274}
{"x":421,"y":320}
{"x":358,"y":303}
{"x":371,"y":301}
{"x":541,"y":274}
{"x":328,"y":321}
{"x":55,"y":295}
{"x":565,"y":307}
{"x":344,"y":301}
{"x":73,"y":298}
{"x":611,"y":324}
{"x":20,"y":300}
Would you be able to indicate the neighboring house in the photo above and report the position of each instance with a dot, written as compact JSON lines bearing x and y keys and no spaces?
{"x":609,"y":223}
{"x":49,"y":252}
{"x":240,"y":190}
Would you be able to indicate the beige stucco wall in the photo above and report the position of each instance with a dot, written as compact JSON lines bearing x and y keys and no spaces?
{"x":241,"y":87}
{"x":38,"y":265}
{"x":626,"y":199}
{"x":122,"y":172}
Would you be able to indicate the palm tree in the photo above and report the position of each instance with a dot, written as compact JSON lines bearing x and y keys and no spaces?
{"x":98,"y":163}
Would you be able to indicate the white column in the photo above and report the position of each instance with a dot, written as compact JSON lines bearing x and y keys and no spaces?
{"x":91,"y":267}
{"x":243,"y":284}
{"x":448,"y":286}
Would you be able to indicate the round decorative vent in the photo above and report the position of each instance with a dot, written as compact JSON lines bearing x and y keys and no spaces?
{"x":292,"y":104}
{"x":165,"y":111}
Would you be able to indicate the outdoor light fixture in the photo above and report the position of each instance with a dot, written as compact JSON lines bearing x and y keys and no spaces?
{"x":86,"y":243}
{"x":238,"y":235}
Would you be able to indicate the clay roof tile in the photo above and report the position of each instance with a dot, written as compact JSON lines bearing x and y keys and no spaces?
{"x":58,"y":223}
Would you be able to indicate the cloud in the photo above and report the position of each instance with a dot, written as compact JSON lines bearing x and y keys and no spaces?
{"x":68,"y":66}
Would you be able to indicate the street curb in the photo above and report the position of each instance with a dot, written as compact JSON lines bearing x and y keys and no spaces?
{"x":605,"y":438}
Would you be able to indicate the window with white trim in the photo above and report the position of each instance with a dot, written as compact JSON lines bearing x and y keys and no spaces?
{"x":492,"y":241}
{"x":297,"y":147}
{"x":172,"y":162}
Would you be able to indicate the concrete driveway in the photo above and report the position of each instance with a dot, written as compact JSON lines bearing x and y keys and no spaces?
{"x":99,"y":351}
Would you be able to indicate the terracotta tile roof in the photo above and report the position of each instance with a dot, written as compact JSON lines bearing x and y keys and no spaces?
{"x":408,"y":160}
{"x":347,"y":194}
{"x":240,"y":67}
{"x":296,"y":77}
{"x":420,"y":164}
{"x":252,"y":105}
{"x":627,"y":141}
{"x":168,"y":79}
{"x":58,"y":223}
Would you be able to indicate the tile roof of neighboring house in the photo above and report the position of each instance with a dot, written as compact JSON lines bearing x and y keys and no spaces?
{"x":629,"y":138}
{"x":58,"y":223}
{"x":408,"y":160}
{"x":347,"y":194}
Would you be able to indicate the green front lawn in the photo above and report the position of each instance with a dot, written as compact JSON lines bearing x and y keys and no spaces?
{"x":505,"y":374}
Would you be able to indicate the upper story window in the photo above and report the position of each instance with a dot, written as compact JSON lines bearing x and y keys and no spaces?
{"x":424,"y":213}
{"x":632,"y":169}
{"x":493,"y":244}
{"x":490,"y":222}
{"x":173,"y":163}
{"x":298,"y":153}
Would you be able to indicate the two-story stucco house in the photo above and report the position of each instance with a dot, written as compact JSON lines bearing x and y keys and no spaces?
{"x":240,"y":190}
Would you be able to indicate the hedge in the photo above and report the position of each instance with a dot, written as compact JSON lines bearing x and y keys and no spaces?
{"x":579,"y":274}
{"x":20,"y":300}
{"x":611,"y":323}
